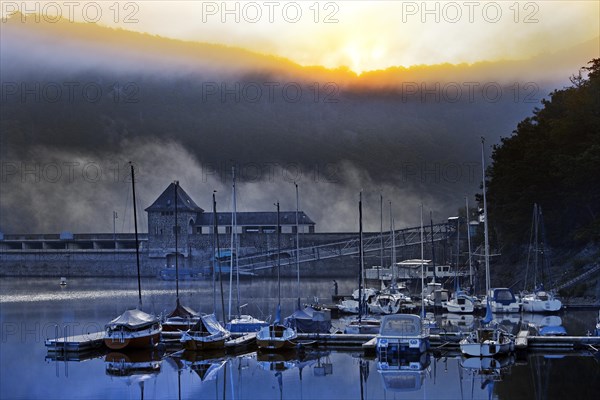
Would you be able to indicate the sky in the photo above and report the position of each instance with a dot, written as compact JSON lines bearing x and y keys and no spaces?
{"x":359,"y":35}
{"x":374,"y":132}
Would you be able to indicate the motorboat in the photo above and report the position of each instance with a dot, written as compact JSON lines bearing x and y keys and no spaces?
{"x":502,"y":300}
{"x":401,"y":334}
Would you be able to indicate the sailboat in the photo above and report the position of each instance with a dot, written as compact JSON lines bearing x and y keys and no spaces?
{"x":460,"y":302}
{"x":396,"y":296}
{"x":306,"y":319}
{"x":241,"y":323}
{"x":351,"y":306}
{"x":276,"y":336}
{"x":134,"y":328}
{"x":540,"y":300}
{"x":207,"y":333}
{"x":434,"y":295}
{"x":181,"y":318}
{"x":362,"y":325}
{"x":487,"y":340}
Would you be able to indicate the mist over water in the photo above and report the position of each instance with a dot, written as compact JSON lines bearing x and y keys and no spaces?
{"x":75,"y":111}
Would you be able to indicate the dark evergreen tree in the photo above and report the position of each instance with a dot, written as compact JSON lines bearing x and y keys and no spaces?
{"x":553,"y":159}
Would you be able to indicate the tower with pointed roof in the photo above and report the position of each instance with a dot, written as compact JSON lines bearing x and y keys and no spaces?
{"x":161,"y":222}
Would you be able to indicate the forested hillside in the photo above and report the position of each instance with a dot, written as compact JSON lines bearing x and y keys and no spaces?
{"x":553,"y":159}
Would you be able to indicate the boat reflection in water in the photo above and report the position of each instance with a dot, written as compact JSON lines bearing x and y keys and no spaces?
{"x":134,"y":366}
{"x":489,"y":369}
{"x":141,"y":362}
{"x":280,"y":361}
{"x":292,"y":358}
{"x":458,"y":322}
{"x":545,"y":325}
{"x":404,"y":374}
{"x":206,"y":364}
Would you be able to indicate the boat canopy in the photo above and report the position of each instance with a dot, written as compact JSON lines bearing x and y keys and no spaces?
{"x":133,"y":319}
{"x":183,"y":312}
{"x":503,"y":296}
{"x":208,"y":323}
{"x":309,"y":320}
{"x":400,"y":325}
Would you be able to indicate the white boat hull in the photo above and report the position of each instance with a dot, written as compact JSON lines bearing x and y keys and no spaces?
{"x":276,"y":337}
{"x":487,"y":342}
{"x":385,"y":304}
{"x":484,"y":349}
{"x":505,"y":308}
{"x":455,"y":307}
{"x":540,"y":306}
{"x":348,"y":306}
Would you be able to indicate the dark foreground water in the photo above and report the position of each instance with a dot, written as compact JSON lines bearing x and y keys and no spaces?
{"x":35,"y":309}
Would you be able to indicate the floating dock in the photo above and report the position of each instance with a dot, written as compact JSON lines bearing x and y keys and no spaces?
{"x":76,"y":344}
{"x":244,"y":340}
{"x":522,"y":340}
{"x":91,"y":341}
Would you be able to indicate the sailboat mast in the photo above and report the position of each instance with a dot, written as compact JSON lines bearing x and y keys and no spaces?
{"x":278,"y":260}
{"x":456,"y":284}
{"x":469,"y":241}
{"x":214,"y":263}
{"x":393,"y":230}
{"x":219,"y":254}
{"x":545,"y":259}
{"x":391,"y":239}
{"x":536,"y":246}
{"x":422,"y":267}
{"x":237,"y":244}
{"x":361,"y":260}
{"x":176,"y":187}
{"x":232,"y":243}
{"x":137,"y":242}
{"x":380,"y":236}
{"x":485,"y":223}
{"x":432,"y":246}
{"x":297,"y":243}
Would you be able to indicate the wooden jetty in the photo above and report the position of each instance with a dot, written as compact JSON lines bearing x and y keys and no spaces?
{"x":241,"y":342}
{"x":77,"y":343}
{"x":91,"y":341}
{"x":521,"y":341}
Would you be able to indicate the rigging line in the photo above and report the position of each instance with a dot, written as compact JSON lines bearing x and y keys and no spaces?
{"x":125,"y":211}
{"x":529,"y":250}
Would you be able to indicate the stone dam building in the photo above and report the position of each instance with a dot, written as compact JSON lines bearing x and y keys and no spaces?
{"x":255,"y":235}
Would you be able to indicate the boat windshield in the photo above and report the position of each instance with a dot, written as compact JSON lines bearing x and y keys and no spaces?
{"x":400,"y":326}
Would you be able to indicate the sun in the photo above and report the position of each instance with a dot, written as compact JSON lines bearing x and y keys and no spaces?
{"x":363,"y":57}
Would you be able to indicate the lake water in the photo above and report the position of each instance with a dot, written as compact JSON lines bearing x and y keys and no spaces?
{"x":32,"y":310}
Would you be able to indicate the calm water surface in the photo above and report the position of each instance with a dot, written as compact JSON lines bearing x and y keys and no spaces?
{"x":35,"y":309}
